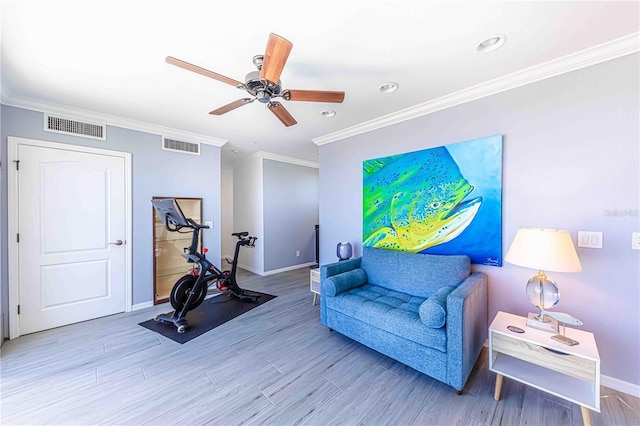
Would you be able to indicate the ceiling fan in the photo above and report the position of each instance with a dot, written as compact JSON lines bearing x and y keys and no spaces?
{"x":264,"y":85}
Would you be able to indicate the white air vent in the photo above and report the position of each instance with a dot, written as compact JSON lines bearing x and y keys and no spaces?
{"x":181,"y":146}
{"x":73,"y":127}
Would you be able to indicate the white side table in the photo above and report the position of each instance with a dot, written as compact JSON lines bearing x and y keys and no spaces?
{"x":533,"y":358}
{"x":314,"y":284}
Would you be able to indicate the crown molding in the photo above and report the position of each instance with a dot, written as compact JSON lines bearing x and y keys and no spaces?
{"x":594,"y":55}
{"x":284,"y":159}
{"x":111,"y":120}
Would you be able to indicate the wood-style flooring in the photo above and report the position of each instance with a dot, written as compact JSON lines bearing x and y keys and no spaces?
{"x":274,"y":365}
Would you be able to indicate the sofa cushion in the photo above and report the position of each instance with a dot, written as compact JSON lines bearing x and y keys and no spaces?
{"x":416,"y":274}
{"x":390,"y":311}
{"x":433,"y":311}
{"x":344,"y":281}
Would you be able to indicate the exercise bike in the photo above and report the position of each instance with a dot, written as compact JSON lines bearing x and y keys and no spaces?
{"x":191,"y":289}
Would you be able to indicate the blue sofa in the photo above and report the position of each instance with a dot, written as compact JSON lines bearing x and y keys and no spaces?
{"x":426,"y":311}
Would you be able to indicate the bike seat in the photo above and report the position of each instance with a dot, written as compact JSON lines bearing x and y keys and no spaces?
{"x":240,"y":234}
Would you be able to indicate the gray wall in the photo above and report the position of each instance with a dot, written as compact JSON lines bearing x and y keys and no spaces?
{"x":290,"y":214}
{"x":277,"y":202}
{"x":155,"y":172}
{"x":571,"y":160}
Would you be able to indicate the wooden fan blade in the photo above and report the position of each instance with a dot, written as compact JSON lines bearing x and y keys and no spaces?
{"x":190,"y":67}
{"x":275,"y":57}
{"x":231,"y":106}
{"x":313,"y":96}
{"x":281,"y":112}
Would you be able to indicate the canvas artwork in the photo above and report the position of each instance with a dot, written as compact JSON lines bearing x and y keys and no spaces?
{"x":444,"y":200}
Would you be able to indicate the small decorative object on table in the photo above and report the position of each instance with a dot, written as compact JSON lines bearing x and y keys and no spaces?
{"x":344,"y":251}
{"x":564,"y":318}
{"x":543,"y":249}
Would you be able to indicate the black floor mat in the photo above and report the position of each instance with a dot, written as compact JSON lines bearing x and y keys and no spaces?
{"x":211,"y":313}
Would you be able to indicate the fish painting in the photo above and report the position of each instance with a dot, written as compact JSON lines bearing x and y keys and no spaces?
{"x":415,"y":201}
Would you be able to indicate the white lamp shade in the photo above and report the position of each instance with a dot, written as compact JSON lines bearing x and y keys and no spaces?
{"x":544,"y":249}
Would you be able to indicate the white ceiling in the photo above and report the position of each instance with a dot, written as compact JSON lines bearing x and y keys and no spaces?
{"x":108,"y":57}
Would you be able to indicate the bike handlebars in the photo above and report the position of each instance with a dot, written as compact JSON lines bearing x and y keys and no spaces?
{"x":245,"y":239}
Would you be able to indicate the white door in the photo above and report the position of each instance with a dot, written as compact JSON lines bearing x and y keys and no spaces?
{"x":72,"y":231}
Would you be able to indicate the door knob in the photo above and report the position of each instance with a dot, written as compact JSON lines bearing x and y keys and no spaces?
{"x":118,"y":243}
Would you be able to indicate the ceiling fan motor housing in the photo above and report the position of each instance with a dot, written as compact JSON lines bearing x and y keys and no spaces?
{"x":262,"y":89}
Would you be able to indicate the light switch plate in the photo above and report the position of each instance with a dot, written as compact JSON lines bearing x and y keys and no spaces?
{"x":590,"y":239}
{"x":635,"y":240}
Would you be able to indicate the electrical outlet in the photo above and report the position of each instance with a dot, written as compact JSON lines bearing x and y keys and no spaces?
{"x":297,"y":253}
{"x":209,"y":224}
{"x":635,"y":240}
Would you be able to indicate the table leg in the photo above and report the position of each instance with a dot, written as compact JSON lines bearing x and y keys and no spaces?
{"x":315,"y":298}
{"x":496,"y":394}
{"x":586,"y":415}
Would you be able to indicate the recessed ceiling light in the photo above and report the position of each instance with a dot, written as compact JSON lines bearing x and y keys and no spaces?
{"x":388,"y":87}
{"x":328,"y":113}
{"x":491,"y":43}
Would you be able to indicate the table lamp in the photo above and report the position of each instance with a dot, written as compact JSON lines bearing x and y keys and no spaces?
{"x":544,"y":250}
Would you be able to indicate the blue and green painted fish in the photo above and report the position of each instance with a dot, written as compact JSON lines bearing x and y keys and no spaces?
{"x":415,"y":201}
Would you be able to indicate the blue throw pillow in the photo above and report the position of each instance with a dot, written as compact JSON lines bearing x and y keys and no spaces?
{"x":433,"y":311}
{"x":344,"y":281}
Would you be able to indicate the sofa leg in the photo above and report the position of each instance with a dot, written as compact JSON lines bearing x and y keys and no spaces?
{"x":458,"y":392}
{"x":330,"y":329}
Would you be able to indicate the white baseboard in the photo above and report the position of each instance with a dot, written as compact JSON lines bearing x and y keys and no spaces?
{"x":289,"y":268}
{"x":620,"y":385}
{"x":142,"y":305}
{"x":250,"y":269}
{"x":276,"y":271}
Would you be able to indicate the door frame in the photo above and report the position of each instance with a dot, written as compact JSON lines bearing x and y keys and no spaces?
{"x":12,"y":215}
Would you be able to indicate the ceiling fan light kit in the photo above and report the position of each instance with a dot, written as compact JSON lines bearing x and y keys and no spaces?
{"x":264,"y":85}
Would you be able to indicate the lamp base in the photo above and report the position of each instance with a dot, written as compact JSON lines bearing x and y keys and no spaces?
{"x":550,"y":326}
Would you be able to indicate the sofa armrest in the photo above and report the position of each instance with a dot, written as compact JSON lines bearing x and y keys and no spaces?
{"x":335,"y":268}
{"x":330,"y":270}
{"x":338,"y":283}
{"x":467,"y":327}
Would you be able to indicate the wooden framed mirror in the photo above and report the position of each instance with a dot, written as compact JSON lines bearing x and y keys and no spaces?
{"x":168,"y":248}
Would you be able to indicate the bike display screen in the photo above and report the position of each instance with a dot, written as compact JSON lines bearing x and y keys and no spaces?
{"x":170,"y":211}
